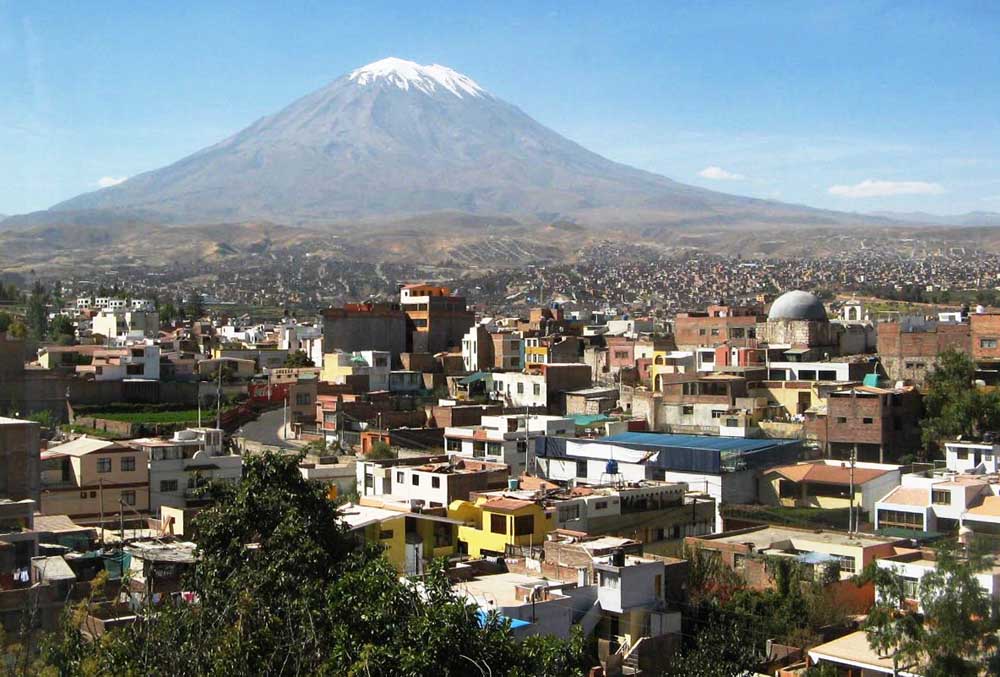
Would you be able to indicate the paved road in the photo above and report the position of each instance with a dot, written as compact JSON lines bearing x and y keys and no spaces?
{"x":267,"y":430}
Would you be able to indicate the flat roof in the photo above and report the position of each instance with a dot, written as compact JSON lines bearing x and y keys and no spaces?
{"x":854,"y":650}
{"x":4,"y":420}
{"x":767,"y":536}
{"x":709,"y":443}
{"x":83,"y":446}
{"x":499,"y":588}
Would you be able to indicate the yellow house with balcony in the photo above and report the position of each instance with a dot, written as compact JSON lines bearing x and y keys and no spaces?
{"x":409,"y":540}
{"x":491,"y":524}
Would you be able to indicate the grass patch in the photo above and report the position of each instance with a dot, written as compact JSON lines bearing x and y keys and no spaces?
{"x":89,"y":432}
{"x":818,"y":518}
{"x":175,"y":416}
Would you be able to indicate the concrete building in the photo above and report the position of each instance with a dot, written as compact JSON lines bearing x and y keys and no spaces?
{"x":724,"y":468}
{"x":118,"y":322}
{"x":436,"y":319}
{"x":429,"y":481}
{"x":342,"y":368}
{"x":89,"y":477}
{"x":19,"y":465}
{"x":137,"y":361}
{"x":554,"y":349}
{"x":505,"y":439}
{"x":718,"y":324}
{"x":483,"y":349}
{"x":542,"y":388}
{"x":490,"y":526}
{"x":365,"y":326}
{"x":912,"y":565}
{"x":180,"y":466}
{"x":827,"y":484}
{"x":908,"y":348}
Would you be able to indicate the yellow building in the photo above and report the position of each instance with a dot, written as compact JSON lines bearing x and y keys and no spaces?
{"x":410,"y":540}
{"x":827,"y":484}
{"x":669,"y":362}
{"x":491,"y":524}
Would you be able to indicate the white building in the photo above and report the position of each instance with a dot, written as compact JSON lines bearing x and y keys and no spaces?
{"x":432,"y":481}
{"x":113,"y":323}
{"x":137,"y":361}
{"x":914,"y":565}
{"x":518,"y":389}
{"x":505,"y":439}
{"x":180,"y":466}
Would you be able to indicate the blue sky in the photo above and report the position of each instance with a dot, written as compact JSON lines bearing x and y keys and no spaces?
{"x":857,"y":106}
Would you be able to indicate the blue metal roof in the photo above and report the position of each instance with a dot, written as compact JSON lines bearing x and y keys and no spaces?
{"x":706,"y":442}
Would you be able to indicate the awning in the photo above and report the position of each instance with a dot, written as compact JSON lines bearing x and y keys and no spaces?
{"x":474,"y":378}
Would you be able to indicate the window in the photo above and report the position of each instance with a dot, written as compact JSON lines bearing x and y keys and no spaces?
{"x":601,"y":505}
{"x":867,"y":420}
{"x":83,"y":494}
{"x":827,"y":375}
{"x":303,"y":398}
{"x":493,"y":448}
{"x":732,"y":423}
{"x":93,"y":494}
{"x":621,"y":354}
{"x":369,"y":481}
{"x":807,"y":374}
{"x":104,"y":465}
{"x":498,"y":524}
{"x":128,"y":463}
{"x":385,"y":534}
{"x":827,"y":490}
{"x":718,"y":413}
{"x":436,"y":482}
{"x":963,"y":455}
{"x":940,"y":497}
{"x":569,"y":512}
{"x":453,"y":444}
{"x":847,"y":564}
{"x":987,"y":343}
{"x":522,"y":447}
{"x":609,"y":580}
{"x":415,"y":479}
{"x":739,"y":562}
{"x":128,"y":497}
{"x":911,"y":587}
{"x":524,"y":525}
{"x":399,"y":476}
{"x":715,"y":331}
{"x":898,"y":518}
{"x":581,"y":468}
{"x":687,"y":410}
{"x":701,"y":332}
{"x":841,"y":419}
{"x":788,"y":489}
{"x":520,"y":388}
{"x":168,"y":485}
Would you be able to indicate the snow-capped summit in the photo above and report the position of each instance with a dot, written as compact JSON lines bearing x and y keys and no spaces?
{"x":405,"y":74}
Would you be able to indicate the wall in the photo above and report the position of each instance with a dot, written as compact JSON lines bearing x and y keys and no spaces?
{"x":19,"y":464}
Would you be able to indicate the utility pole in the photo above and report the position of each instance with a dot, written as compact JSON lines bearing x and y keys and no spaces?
{"x":218,"y":396}
{"x":100,"y":492}
{"x":851,"y":520}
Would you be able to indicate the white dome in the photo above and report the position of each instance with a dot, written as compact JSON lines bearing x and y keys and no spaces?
{"x":797,"y":305}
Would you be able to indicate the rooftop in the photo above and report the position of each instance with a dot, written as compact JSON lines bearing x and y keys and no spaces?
{"x":915,"y":496}
{"x":854,"y":649}
{"x":764,"y":538}
{"x":827,"y":474}
{"x":81,"y":446}
{"x":708,"y":443}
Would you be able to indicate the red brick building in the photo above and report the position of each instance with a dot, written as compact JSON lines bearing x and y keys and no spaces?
{"x":881,"y":423}
{"x":717,"y":325}
{"x":909,"y":350}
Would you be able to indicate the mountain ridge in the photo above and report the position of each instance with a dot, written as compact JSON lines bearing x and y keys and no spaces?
{"x":395,"y":140}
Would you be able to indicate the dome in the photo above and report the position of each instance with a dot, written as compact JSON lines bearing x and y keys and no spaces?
{"x":797,"y":305}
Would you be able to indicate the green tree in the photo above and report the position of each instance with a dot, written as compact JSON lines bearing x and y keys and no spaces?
{"x":380,"y":450}
{"x":36,"y":314}
{"x":194,"y":308}
{"x":723,"y":648}
{"x":298,"y":359}
{"x":953,"y":405}
{"x":284,"y":589}
{"x":18,"y":329}
{"x":62,"y":326}
{"x":167,"y":312}
{"x":5,"y":321}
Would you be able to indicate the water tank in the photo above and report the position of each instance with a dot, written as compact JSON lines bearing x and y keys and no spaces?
{"x":612,"y":467}
{"x":618,"y":558}
{"x":513,"y":484}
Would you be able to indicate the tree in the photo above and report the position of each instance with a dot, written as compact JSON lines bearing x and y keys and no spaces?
{"x":5,"y":321}
{"x":723,"y":648}
{"x":167,"y":312}
{"x":380,"y":450}
{"x":195,"y":307}
{"x":956,"y":632}
{"x":36,"y":313}
{"x":298,"y":359}
{"x":953,"y":405}
{"x":284,"y":589}
{"x":62,"y":326}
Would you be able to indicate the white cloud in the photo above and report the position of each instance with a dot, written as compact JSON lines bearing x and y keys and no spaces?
{"x":108,"y":181}
{"x":719,"y":174}
{"x":873,"y":188}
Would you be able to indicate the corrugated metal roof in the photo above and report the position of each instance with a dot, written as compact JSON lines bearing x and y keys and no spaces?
{"x":709,"y":443}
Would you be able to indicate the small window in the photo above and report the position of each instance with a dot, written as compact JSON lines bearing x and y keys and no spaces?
{"x":104,"y":465}
{"x":687,"y":410}
{"x":385,"y":534}
{"x":987,"y":343}
{"x":715,"y":331}
{"x":436,"y":482}
{"x":701,"y":332}
{"x":128,"y":497}
{"x":536,"y":389}
{"x":83,"y":494}
{"x":841,"y":419}
{"x":867,"y":421}
{"x":498,"y":524}
{"x":963,"y":455}
{"x":524,"y":525}
{"x":128,"y":463}
{"x":399,"y":476}
{"x":581,"y":468}
{"x":93,"y":494}
{"x":520,"y":388}
{"x":601,"y":505}
{"x":454,"y":445}
{"x":415,"y":479}
{"x":940,"y":497}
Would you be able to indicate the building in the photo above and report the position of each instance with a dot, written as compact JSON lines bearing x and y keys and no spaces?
{"x":89,"y":478}
{"x":410,"y":539}
{"x":912,"y":565}
{"x":139,"y":361}
{"x":746,"y":551}
{"x":505,"y":439}
{"x":429,"y":481}
{"x":544,"y":388}
{"x":492,"y":525}
{"x":484,"y":349}
{"x":724,"y":468}
{"x":908,"y":348}
{"x":852,"y":654}
{"x":365,"y":326}
{"x":873,"y":423}
{"x":718,"y":324}
{"x":554,"y":349}
{"x":436,"y":320}
{"x":798,"y":319}
{"x":827,"y":484}
{"x":716,"y":404}
{"x":19,"y":465}
{"x":117,"y":322}
{"x":368,"y":367}
{"x":179,"y":467}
